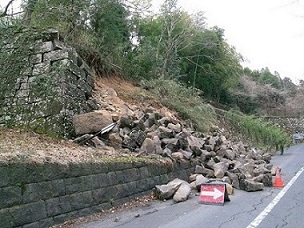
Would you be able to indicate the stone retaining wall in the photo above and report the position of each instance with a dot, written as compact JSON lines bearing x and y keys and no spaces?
{"x":41,"y":195}
{"x":290,"y":124}
{"x":47,"y":88}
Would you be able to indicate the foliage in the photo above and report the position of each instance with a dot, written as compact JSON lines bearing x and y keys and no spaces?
{"x":265,"y":77}
{"x":258,"y":131}
{"x":211,"y":65}
{"x":13,"y":57}
{"x":99,"y":30}
{"x":185,"y":101}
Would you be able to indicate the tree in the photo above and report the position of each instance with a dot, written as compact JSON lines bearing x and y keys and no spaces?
{"x":210,"y":64}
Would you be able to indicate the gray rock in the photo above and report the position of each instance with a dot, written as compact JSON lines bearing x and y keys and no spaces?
{"x":177,"y":155}
{"x":234,"y":180}
{"x":165,"y":132}
{"x":167,"y":153}
{"x":199,"y":180}
{"x":148,"y":146}
{"x":175,"y":127}
{"x":249,"y":185}
{"x":126,"y":121}
{"x":91,"y":122}
{"x":172,"y":144}
{"x":157,"y":143}
{"x":266,"y":179}
{"x":166,"y":191}
{"x":230,"y":154}
{"x":220,"y":169}
{"x":187,"y":154}
{"x":138,"y":136}
{"x":115,"y":140}
{"x":202,"y":170}
{"x":97,"y":142}
{"x":182,"y":194}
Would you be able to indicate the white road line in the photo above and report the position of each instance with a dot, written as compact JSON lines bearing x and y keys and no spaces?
{"x":272,"y":204}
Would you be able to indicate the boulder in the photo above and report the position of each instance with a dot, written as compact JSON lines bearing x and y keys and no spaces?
{"x":220,"y":169}
{"x":177,"y":155}
{"x":91,"y":122}
{"x":175,"y":127}
{"x":172,"y":144}
{"x":195,"y":144}
{"x":138,"y":136}
{"x":249,"y":185}
{"x":126,"y":121}
{"x":166,"y":191}
{"x":199,"y":180}
{"x":183,"y":192}
{"x":229,"y":189}
{"x":115,"y":140}
{"x":202,"y":170}
{"x":148,"y":146}
{"x":165,"y":132}
{"x":157,"y":143}
{"x":186,"y":154}
{"x":97,"y":142}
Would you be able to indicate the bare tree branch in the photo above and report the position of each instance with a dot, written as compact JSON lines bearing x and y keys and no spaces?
{"x":6,"y":9}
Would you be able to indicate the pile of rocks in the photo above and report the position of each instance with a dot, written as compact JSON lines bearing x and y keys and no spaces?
{"x":149,"y":132}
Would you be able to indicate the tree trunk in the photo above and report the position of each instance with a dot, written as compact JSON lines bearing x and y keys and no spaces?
{"x":29,"y":9}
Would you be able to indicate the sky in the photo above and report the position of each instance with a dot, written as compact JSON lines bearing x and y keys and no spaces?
{"x":267,"y":33}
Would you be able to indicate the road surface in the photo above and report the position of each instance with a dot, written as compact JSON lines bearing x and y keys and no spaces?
{"x":272,"y":207}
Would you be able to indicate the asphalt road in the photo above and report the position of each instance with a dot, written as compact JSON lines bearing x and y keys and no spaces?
{"x":270,"y":208}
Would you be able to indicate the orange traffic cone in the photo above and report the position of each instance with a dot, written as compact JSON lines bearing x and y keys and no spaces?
{"x":278,"y":182}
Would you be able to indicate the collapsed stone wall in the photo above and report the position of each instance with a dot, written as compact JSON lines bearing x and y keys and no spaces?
{"x":290,"y":124}
{"x":41,"y":195}
{"x":51,"y":86}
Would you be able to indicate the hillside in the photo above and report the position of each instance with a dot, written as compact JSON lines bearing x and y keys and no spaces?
{"x":115,"y":95}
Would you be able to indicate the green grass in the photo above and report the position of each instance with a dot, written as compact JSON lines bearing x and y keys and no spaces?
{"x":185,"y":101}
{"x":257,"y":131}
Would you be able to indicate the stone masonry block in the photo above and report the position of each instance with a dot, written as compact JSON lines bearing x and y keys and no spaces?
{"x":53,"y":207}
{"x":42,"y":68}
{"x":91,"y":181}
{"x":65,"y":203}
{"x":38,"y":191}
{"x":4,"y":175}
{"x":99,"y":195}
{"x":37,"y":58}
{"x":41,"y":47}
{"x":41,"y":224}
{"x":6,"y":219}
{"x":28,"y":213}
{"x":130,"y":188}
{"x":74,"y":184}
{"x":80,"y":169}
{"x":58,"y":187}
{"x":116,"y":177}
{"x":81,"y":200}
{"x":103,"y":179}
{"x":131,"y":174}
{"x":59,"y":45}
{"x":10,"y":196}
{"x":144,"y":173}
{"x":56,"y":55}
{"x":32,"y":225}
{"x":17,"y":174}
{"x":141,"y":185}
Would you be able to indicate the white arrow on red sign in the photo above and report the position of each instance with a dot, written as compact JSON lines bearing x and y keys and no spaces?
{"x":215,"y":193}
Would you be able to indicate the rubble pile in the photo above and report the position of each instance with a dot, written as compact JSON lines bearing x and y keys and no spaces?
{"x":149,"y":132}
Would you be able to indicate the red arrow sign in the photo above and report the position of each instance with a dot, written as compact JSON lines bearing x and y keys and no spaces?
{"x":212,"y":193}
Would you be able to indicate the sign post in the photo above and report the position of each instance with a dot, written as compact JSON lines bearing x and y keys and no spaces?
{"x":212,"y":193}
